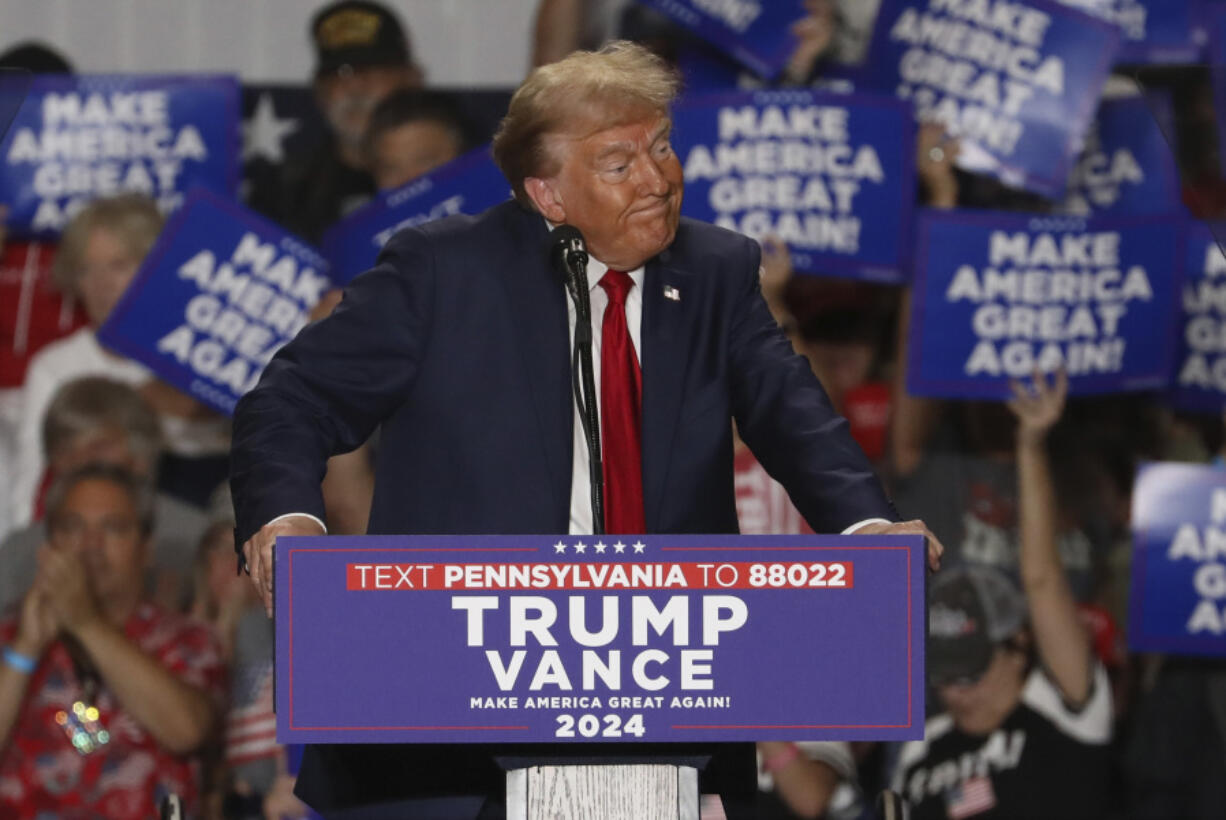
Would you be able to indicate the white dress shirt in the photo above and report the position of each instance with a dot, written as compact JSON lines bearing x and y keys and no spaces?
{"x":580,"y":476}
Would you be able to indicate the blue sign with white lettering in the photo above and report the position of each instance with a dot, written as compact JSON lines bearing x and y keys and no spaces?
{"x":1018,"y":85}
{"x":468,"y":185}
{"x":566,"y":639}
{"x":998,"y":296}
{"x":704,"y":70}
{"x":1156,"y":32}
{"x":756,"y":33}
{"x":221,"y":291}
{"x":1200,"y":364}
{"x":1127,"y":166}
{"x":78,"y":138}
{"x":1178,"y":599}
{"x":1215,"y":25}
{"x":831,"y":175}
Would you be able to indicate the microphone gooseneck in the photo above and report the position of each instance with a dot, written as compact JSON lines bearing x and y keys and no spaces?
{"x":568,"y":255}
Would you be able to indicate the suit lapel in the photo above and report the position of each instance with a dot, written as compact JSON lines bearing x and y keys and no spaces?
{"x":538,"y":305}
{"x":667,"y":334}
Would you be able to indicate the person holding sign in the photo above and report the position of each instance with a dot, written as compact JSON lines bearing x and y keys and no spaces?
{"x":1026,"y":708}
{"x":457,"y":344}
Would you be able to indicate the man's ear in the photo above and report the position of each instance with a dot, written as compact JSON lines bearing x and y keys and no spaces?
{"x":544,"y":195}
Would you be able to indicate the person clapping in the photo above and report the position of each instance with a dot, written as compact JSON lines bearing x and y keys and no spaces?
{"x":104,"y":697}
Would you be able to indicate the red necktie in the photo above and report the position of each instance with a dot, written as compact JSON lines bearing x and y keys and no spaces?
{"x":621,"y":391}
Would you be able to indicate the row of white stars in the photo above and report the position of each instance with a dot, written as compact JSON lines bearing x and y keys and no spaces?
{"x":600,"y":547}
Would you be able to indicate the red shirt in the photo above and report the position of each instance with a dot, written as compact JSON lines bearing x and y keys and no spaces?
{"x":127,"y":776}
{"x":32,"y":311}
{"x":762,"y":505}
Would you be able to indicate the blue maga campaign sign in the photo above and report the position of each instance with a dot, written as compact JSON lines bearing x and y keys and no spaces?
{"x":220,"y":292}
{"x":468,"y":185}
{"x":1215,"y":24}
{"x":77,"y":138}
{"x":997,"y":296}
{"x":1016,"y":82}
{"x":1155,"y":31}
{"x":1178,"y":599}
{"x":1200,"y":364}
{"x":831,"y":175}
{"x":1127,"y":166}
{"x":547,"y":639}
{"x":756,"y":33}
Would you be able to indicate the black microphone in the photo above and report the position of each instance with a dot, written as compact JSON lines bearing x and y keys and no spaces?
{"x":568,"y":254}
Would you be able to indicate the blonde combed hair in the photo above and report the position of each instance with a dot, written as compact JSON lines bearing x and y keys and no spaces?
{"x":133,"y":218}
{"x":583,"y":92}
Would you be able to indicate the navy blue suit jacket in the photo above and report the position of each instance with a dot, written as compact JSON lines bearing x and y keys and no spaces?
{"x":456,"y":343}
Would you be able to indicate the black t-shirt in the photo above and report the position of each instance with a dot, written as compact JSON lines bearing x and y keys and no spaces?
{"x":313,"y":191}
{"x":1046,"y":760}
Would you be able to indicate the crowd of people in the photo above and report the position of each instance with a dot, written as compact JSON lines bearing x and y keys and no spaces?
{"x":137,"y":664}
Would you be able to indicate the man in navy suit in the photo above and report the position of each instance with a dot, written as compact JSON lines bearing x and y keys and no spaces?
{"x":457,"y":344}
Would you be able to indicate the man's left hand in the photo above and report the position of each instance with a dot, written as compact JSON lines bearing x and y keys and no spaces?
{"x":915,"y":527}
{"x":62,"y":579}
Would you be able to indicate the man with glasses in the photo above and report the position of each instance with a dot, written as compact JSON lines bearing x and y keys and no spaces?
{"x":104,"y":697}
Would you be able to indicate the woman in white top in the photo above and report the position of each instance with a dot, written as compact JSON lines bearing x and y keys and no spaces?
{"x":100,"y":252}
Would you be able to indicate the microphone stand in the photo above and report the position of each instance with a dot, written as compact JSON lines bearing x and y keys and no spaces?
{"x":583,"y":380}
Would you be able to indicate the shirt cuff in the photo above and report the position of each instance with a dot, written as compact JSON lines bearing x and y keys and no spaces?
{"x":321,"y":524}
{"x":858,"y":524}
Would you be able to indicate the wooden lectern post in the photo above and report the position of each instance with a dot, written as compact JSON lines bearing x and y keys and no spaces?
{"x":609,"y":792}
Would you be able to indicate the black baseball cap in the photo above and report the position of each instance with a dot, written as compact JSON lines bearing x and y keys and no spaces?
{"x":971,"y":610}
{"x":357,"y":33}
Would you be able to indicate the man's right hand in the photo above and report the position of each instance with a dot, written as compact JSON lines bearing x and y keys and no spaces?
{"x":258,"y":551}
{"x":38,"y":624}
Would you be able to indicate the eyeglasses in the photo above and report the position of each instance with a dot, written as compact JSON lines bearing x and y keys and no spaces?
{"x":71,"y":530}
{"x":959,"y":680}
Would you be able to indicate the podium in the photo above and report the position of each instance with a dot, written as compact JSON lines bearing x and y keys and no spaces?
{"x":567,"y":676}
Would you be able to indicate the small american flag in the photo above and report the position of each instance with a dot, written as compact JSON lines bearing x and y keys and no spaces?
{"x":251,"y":729}
{"x":970,"y":797}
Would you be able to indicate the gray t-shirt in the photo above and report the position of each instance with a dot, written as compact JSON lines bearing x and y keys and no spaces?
{"x":970,"y":503}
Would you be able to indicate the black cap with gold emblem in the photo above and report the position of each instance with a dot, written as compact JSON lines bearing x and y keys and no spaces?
{"x":357,"y":33}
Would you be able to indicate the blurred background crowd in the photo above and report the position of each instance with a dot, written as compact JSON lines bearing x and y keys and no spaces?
{"x":137,"y":664}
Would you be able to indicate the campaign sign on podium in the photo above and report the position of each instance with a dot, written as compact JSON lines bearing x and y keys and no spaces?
{"x":653,"y":638}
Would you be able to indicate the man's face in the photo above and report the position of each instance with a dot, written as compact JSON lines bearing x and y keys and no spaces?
{"x":620,"y":186}
{"x":109,"y":266}
{"x":979,"y":706}
{"x":407,"y":151}
{"x":346,"y":97}
{"x":98,"y":522}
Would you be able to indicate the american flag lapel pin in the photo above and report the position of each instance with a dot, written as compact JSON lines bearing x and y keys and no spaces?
{"x":672,"y":293}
